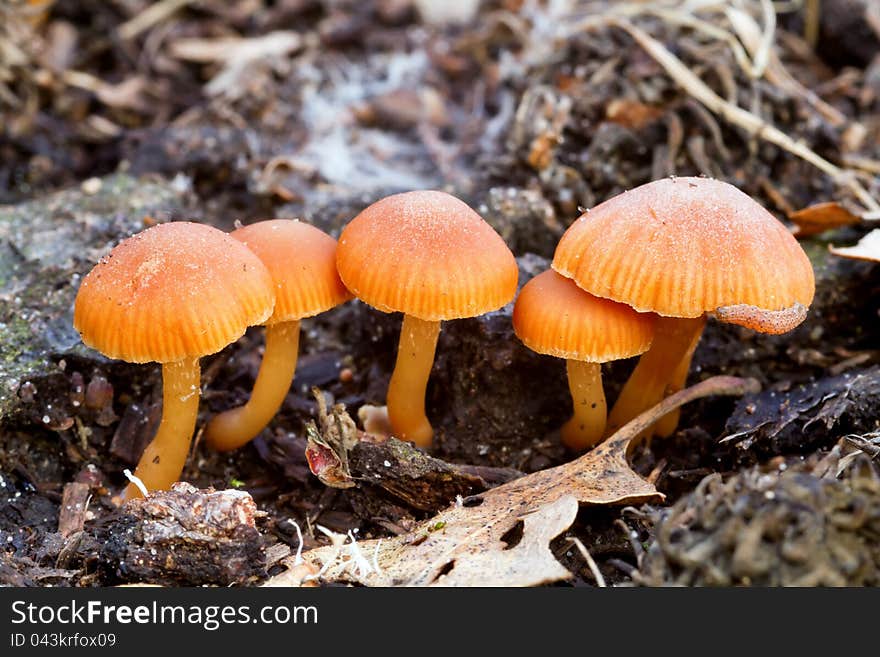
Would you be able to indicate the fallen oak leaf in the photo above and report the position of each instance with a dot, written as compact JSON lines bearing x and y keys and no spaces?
{"x":820,"y":217}
{"x":528,"y":563}
{"x":469,"y":537}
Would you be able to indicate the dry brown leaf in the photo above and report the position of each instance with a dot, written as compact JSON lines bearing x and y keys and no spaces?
{"x":36,"y":11}
{"x":820,"y":217}
{"x":529,"y":562}
{"x":329,"y":446}
{"x":632,"y":113}
{"x":465,"y":544}
{"x":868,"y":248}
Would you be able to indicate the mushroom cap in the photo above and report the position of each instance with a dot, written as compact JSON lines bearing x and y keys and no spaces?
{"x":173,"y":291}
{"x":302,"y":262}
{"x":680,"y":247}
{"x":552,"y":315}
{"x":426,"y":254}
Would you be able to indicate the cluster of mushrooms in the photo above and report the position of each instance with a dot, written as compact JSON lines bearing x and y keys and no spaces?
{"x":637,"y":274}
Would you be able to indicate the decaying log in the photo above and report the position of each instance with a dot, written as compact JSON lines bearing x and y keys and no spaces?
{"x":186,"y":537}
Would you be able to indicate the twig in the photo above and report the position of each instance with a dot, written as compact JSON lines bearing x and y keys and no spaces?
{"x":716,"y":385}
{"x":632,"y":536}
{"x":682,"y":19}
{"x":737,"y":115}
{"x":685,"y":15}
{"x":750,"y":34}
{"x":811,"y":22}
{"x":864,"y":163}
{"x":761,"y":56}
{"x":155,"y":13}
{"x":591,"y":563}
{"x":864,"y":444}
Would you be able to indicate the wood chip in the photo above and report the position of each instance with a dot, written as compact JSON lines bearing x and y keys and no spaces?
{"x":74,"y":504}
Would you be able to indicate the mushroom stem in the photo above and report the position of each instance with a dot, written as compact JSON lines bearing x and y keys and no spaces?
{"x":406,"y":390}
{"x":667,"y":424}
{"x":658,"y":371}
{"x":236,"y":427}
{"x":587,"y":424}
{"x":163,"y":459}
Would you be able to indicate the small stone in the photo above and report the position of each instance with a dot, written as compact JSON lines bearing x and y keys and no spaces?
{"x":91,"y":186}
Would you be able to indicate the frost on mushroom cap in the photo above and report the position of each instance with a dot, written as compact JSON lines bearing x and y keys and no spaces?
{"x":302,"y":262}
{"x":173,"y":291}
{"x":426,"y":254}
{"x":554,"y":316}
{"x":684,"y":246}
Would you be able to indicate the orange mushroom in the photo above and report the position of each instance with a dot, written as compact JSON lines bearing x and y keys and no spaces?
{"x":684,"y":248}
{"x":428,"y":255}
{"x":554,"y":316}
{"x":171,"y":294}
{"x":302,"y":262}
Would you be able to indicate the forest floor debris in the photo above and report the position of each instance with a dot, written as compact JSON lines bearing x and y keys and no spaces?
{"x":115,"y":116}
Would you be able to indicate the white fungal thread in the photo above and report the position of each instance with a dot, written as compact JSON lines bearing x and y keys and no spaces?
{"x":136,"y":481}
{"x":376,"y":557}
{"x":362,"y":565}
{"x":297,"y":560}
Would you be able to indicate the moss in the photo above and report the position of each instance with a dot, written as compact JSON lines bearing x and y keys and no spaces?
{"x":817,"y":252}
{"x":12,"y":362}
{"x":771,"y":527}
{"x":46,"y":245}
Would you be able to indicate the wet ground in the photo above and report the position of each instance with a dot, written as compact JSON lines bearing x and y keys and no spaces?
{"x":530,"y":112}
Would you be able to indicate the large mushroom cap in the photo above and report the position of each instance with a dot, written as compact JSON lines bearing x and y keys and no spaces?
{"x":554,"y":316}
{"x":680,"y":247}
{"x":426,"y":254}
{"x":173,"y":291}
{"x":302,"y":261}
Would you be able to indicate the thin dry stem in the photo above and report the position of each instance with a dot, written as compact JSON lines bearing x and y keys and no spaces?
{"x":152,"y":15}
{"x":591,"y":563}
{"x":739,"y":116}
{"x":716,"y":385}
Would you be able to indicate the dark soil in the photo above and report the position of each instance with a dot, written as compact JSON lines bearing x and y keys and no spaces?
{"x":530,"y":121}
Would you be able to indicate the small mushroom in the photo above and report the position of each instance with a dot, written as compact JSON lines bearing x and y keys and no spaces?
{"x":171,"y":294}
{"x":554,"y":316}
{"x":685,"y":248}
{"x":430,"y":256}
{"x":302,"y":262}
